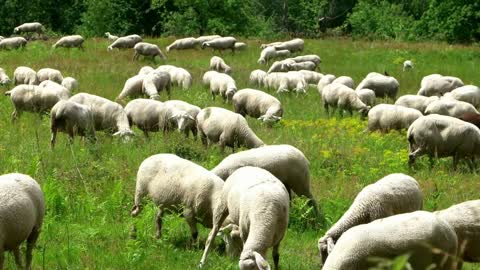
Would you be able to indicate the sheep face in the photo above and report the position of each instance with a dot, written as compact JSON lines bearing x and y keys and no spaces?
{"x":252,"y":260}
{"x":183,"y":120}
{"x":230,"y":92}
{"x":269,"y":119}
{"x":261,"y":61}
{"x":5,"y":81}
{"x":16,"y":29}
{"x":364,"y":111}
{"x":205,"y":44}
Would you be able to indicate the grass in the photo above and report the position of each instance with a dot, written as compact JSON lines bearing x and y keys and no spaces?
{"x":89,"y":188}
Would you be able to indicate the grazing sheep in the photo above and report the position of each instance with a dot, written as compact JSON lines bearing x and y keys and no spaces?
{"x":25,"y":75}
{"x":257,"y":202}
{"x":70,"y":83}
{"x":192,"y":110}
{"x":443,"y":136}
{"x":108,"y":115}
{"x":218,"y":125}
{"x":147,"y":49}
{"x":384,"y":117}
{"x":307,"y":65}
{"x":426,"y":238}
{"x":367,"y":96}
{"x":383,"y":86}
{"x":282,"y":66}
{"x":207,"y":77}
{"x":324,"y":81}
{"x":467,"y":93}
{"x":218,"y":64}
{"x":258,"y":104}
{"x":407,"y":65}
{"x":293,"y":80}
{"x":22,"y":212}
{"x":294,"y":45}
{"x":13,"y":43}
{"x":179,"y":76}
{"x":34,"y":27}
{"x":343,"y":97}
{"x":267,"y":54}
{"x":182,"y":44}
{"x":272,"y":80}
{"x":263,"y":46}
{"x":223,"y":85}
{"x":438,"y":85}
{"x":125,"y":42}
{"x":71,"y":118}
{"x":33,"y":98}
{"x":450,"y":107}
{"x":145,"y":70}
{"x":416,"y":102}
{"x":464,"y":218}
{"x":54,"y":86}
{"x":310,"y":57}
{"x":345,"y":80}
{"x":132,"y":88}
{"x":200,"y":40}
{"x":49,"y":74}
{"x":392,"y":195}
{"x":155,"y":82}
{"x":4,"y":79}
{"x":171,"y":181}
{"x":111,"y":37}
{"x":75,"y":41}
{"x":282,"y":54}
{"x":220,"y":44}
{"x":239,"y":46}
{"x":311,"y":77}
{"x":256,"y":77}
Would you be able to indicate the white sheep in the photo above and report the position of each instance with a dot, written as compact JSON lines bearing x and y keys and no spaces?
{"x":182,"y":44}
{"x":13,"y":43}
{"x":111,"y":37}
{"x":438,"y":85}
{"x":294,"y":45}
{"x":367,"y":96}
{"x":385,"y":117}
{"x":155,"y":82}
{"x":49,"y":74}
{"x":467,"y":93}
{"x":258,"y":104}
{"x":345,"y":80}
{"x":220,"y":44}
{"x":223,"y":85}
{"x":218,"y":125}
{"x":310,"y":57}
{"x":282,"y":54}
{"x":132,"y":88}
{"x":450,"y":107}
{"x":179,"y":76}
{"x":426,"y":238}
{"x":75,"y":41}
{"x":392,"y":195}
{"x":272,"y":80}
{"x":382,"y":85}
{"x":22,"y":212}
{"x":311,"y":77}
{"x":70,"y":83}
{"x":145,"y":70}
{"x":292,"y":80}
{"x":207,"y":77}
{"x":341,"y":96}
{"x":443,"y":136}
{"x":171,"y":181}
{"x":267,"y":54}
{"x":147,"y":49}
{"x":240,"y":46}
{"x":108,"y":115}
{"x":200,"y":40}
{"x":307,"y":65}
{"x":25,"y":75}
{"x":125,"y":42}
{"x":407,"y":65}
{"x":324,"y":81}
{"x":218,"y":64}
{"x":256,"y":77}
{"x":263,"y":46}
{"x":4,"y":79}
{"x":54,"y":86}
{"x":192,"y":110}
{"x":282,"y":66}
{"x":34,"y":27}
{"x":72,"y":118}
{"x":258,"y":203}
{"x":416,"y":102}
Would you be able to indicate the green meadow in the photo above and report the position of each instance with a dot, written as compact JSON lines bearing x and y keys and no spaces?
{"x":89,"y":188}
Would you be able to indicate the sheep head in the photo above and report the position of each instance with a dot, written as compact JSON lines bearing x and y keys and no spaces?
{"x":205,"y":44}
{"x":253,"y":260}
{"x":183,"y":120}
{"x":269,"y":118}
{"x":230,"y":92}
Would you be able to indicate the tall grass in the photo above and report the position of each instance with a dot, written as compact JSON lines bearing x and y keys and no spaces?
{"x":89,"y":188}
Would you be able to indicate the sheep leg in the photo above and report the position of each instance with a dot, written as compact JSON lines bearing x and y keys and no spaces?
{"x":325,"y":105}
{"x":194,"y":133}
{"x":413,"y":155}
{"x":192,"y":222}
{"x":455,"y":161}
{"x":158,"y":223}
{"x":15,"y":115}
{"x":219,"y":217}
{"x":31,"y":240}
{"x":18,"y":260}
{"x":275,"y":256}
{"x":53,"y":138}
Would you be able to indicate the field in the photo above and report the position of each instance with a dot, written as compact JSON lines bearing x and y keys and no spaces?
{"x":89,"y":188}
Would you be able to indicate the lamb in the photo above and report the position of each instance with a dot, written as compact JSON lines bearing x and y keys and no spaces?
{"x":179,"y":76}
{"x":111,"y":37}
{"x":147,"y":49}
{"x":220,"y":44}
{"x":258,"y":203}
{"x":257,"y":104}
{"x":310,"y":57}
{"x":200,"y":40}
{"x":33,"y":98}
{"x":383,"y":86}
{"x":218,"y":64}
{"x":25,"y":75}
{"x":384,"y":117}
{"x":224,"y":85}
{"x":240,"y":46}
{"x":307,"y":65}
{"x":182,"y":44}
{"x":125,"y":42}
{"x":256,"y":77}
{"x":49,"y":74}
{"x":324,"y":81}
{"x":345,"y":80}
{"x":218,"y":125}
{"x":145,"y":70}
{"x":293,"y":80}
{"x":443,"y":136}
{"x":367,"y":96}
{"x":267,"y":54}
{"x":294,"y":45}
{"x":4,"y":79}
{"x":70,"y":83}
{"x":416,"y":102}
{"x":438,"y":85}
{"x":467,"y":93}
{"x":427,"y":238}
{"x":450,"y":107}
{"x":191,"y":110}
{"x":155,"y":82}
{"x":22,"y":212}
{"x":13,"y":43}
{"x":34,"y":27}
{"x":311,"y":77}
{"x":464,"y":218}
{"x":286,"y":162}
{"x":75,"y":41}
{"x":71,"y":118}
{"x":407,"y":65}
{"x":282,"y":66}
{"x":173,"y":181}
{"x":108,"y":115}
{"x":343,"y":97}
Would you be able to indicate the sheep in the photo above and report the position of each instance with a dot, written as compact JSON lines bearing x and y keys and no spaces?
{"x":179,"y":76}
{"x":384,"y":117}
{"x":311,"y":77}
{"x":240,"y":46}
{"x":147,"y":49}
{"x":107,"y":115}
{"x":392,"y":195}
{"x":343,"y":97}
{"x":282,"y":66}
{"x":367,"y":96}
{"x":467,"y":93}
{"x":192,"y":110}
{"x":383,"y":86}
{"x":25,"y":75}
{"x":450,"y":107}
{"x":407,"y":65}
{"x":218,"y":125}
{"x":125,"y":42}
{"x":286,"y":162}
{"x":145,"y":70}
{"x":416,"y":102}
{"x":49,"y":74}
{"x":200,"y":40}
{"x":464,"y":218}
{"x":155,"y":82}
{"x":54,"y":86}
{"x":426,"y":238}
{"x":182,"y":44}
{"x":148,"y":115}
{"x":132,"y":88}
{"x":218,"y":64}
{"x":220,"y":44}
{"x":71,"y":118}
{"x":70,"y":83}
{"x":307,"y":65}
{"x":282,"y":54}
{"x":34,"y":27}
{"x":438,"y":85}
{"x":4,"y":79}
{"x":171,"y":181}
{"x":111,"y":37}
{"x":75,"y":41}
{"x":263,"y":46}
{"x":257,"y":104}
{"x":272,"y":80}
{"x":207,"y":77}
{"x":33,"y":98}
{"x":443,"y":136}
{"x":310,"y":57}
{"x":293,"y":80}
{"x":224,"y":85}
{"x":345,"y":80}
{"x":258,"y":203}
{"x":256,"y":77}
{"x":267,"y":54}
{"x":294,"y":45}
{"x":13,"y":43}
{"x":22,"y":212}
{"x":324,"y":81}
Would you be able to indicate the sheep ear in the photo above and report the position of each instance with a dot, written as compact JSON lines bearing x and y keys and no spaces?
{"x":330,"y":245}
{"x":262,"y":264}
